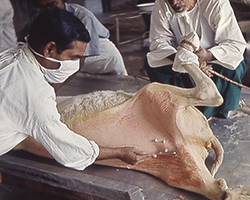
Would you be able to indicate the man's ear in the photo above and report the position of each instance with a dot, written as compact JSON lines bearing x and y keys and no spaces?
{"x":49,"y":49}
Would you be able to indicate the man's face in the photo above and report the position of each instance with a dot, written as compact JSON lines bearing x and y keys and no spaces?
{"x":75,"y":52}
{"x":47,"y":4}
{"x":180,"y":6}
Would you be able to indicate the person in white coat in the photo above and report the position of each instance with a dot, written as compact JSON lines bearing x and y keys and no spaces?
{"x":102,"y":56}
{"x":7,"y":32}
{"x":29,"y":118}
{"x":222,"y":45}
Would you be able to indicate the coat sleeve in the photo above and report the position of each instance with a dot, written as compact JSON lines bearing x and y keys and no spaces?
{"x":230,"y":43}
{"x":68,"y":148}
{"x":162,"y":39}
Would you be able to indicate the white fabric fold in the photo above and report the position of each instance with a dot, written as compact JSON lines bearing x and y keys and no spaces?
{"x":8,"y":37}
{"x":185,"y":54}
{"x":184,"y":57}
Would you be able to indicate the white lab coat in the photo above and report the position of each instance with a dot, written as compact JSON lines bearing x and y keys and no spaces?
{"x":28,"y":108}
{"x":7,"y":32}
{"x":212,"y":20}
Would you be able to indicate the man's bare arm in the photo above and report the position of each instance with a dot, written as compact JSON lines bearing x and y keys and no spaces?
{"x":129,"y":155}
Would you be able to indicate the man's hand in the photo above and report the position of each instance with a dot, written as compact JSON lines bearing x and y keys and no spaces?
{"x":132,"y":155}
{"x":204,"y":55}
{"x":129,"y":155}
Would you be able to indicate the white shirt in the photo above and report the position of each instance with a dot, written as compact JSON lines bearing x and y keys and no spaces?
{"x":92,"y":24}
{"x":28,"y":108}
{"x":212,"y":20}
{"x":102,"y":55}
{"x":7,"y":32}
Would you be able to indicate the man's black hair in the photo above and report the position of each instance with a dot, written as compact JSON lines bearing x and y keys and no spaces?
{"x":59,"y":26}
{"x":37,"y":3}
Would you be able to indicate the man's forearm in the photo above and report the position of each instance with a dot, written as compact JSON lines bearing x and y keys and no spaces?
{"x":129,"y":155}
{"x":107,"y":153}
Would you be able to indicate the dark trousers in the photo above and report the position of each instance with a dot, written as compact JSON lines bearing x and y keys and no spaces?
{"x":229,"y":91}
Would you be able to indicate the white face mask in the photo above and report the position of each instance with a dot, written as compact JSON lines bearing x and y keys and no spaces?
{"x":66,"y":69}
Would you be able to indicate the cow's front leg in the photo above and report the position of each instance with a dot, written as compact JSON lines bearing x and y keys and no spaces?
{"x":205,"y":92}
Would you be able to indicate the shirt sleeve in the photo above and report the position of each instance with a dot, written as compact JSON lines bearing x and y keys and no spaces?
{"x":8,"y":35}
{"x":228,"y":37}
{"x":92,"y":48}
{"x":162,"y":39}
{"x":68,"y":148}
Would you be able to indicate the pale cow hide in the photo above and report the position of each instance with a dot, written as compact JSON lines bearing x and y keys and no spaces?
{"x":75,"y":110}
{"x":157,"y":119}
{"x":161,"y":112}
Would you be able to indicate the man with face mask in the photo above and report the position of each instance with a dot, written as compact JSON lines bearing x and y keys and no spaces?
{"x":102,"y":57}
{"x":29,"y":118}
{"x":222,"y":44}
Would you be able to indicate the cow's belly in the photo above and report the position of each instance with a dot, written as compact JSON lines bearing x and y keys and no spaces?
{"x":140,"y":124}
